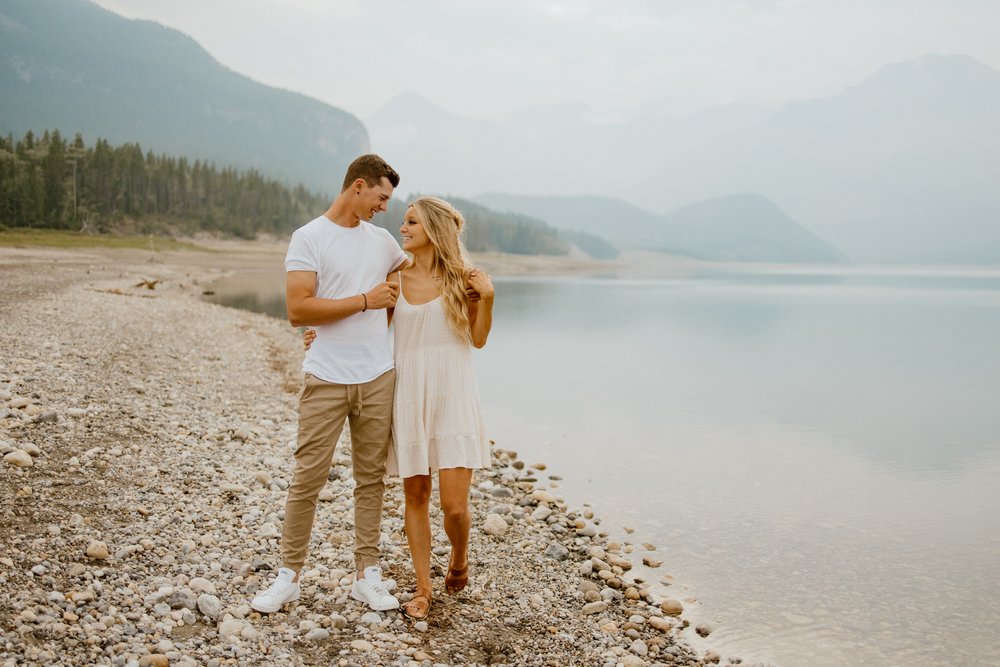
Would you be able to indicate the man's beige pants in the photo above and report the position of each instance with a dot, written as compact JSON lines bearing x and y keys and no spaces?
{"x":322,"y":410}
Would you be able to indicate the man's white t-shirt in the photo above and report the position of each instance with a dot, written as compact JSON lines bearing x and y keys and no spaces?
{"x":348,"y":261}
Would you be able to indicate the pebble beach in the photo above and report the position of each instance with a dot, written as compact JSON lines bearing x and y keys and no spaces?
{"x":146,"y":449}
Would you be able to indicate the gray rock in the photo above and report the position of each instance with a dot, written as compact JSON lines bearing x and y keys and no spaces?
{"x":317,"y":635}
{"x":557,"y":551}
{"x":210,"y":606}
{"x":494,"y":525}
{"x":639,"y":648}
{"x":362,"y":645}
{"x":202,"y":585}
{"x":541,"y":513}
{"x":32,"y":449}
{"x":182,"y":599}
{"x":231,"y":627}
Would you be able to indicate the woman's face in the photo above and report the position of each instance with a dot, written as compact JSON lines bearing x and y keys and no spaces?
{"x":413,"y":233}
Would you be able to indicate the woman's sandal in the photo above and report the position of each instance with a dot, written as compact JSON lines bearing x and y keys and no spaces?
{"x":457,"y":579}
{"x":423,"y":602}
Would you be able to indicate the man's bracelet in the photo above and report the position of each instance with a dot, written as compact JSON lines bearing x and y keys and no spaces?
{"x":365,"y":297}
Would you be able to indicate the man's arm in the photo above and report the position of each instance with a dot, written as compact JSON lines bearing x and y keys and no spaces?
{"x":481,"y":308}
{"x":305,"y":309}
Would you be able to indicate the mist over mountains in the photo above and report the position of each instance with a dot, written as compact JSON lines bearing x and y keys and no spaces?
{"x":739,"y":228}
{"x":902,"y":167}
{"x":905,"y":166}
{"x":73,"y":66}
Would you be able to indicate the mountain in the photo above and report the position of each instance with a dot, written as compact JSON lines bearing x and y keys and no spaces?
{"x":71,"y":65}
{"x":487,"y":230}
{"x":559,"y":149}
{"x":739,"y":228}
{"x":902,"y":167}
{"x":621,"y":223}
{"x":743,"y":228}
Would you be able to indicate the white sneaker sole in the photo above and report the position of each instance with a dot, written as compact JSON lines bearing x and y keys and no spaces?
{"x":267,"y":609}
{"x":385,"y":607}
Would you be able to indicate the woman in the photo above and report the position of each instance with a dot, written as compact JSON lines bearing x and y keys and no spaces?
{"x":436,"y":418}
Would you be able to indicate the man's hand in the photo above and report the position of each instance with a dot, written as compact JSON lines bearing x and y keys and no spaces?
{"x":480,"y":282}
{"x":383,"y":295}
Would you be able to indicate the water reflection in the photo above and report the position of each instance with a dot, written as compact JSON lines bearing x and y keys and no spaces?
{"x":260,"y":292}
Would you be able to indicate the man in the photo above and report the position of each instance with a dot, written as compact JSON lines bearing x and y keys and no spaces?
{"x":335,"y":282}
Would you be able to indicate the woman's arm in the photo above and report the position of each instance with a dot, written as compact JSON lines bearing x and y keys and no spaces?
{"x":481,"y":310}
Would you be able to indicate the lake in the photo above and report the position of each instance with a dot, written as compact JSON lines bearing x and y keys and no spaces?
{"x":815,"y":454}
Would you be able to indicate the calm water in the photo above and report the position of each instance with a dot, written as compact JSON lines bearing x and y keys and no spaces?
{"x":816,"y":456}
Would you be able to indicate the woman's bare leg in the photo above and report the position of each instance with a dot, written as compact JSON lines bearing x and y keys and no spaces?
{"x":417,"y":490}
{"x":454,"y":490}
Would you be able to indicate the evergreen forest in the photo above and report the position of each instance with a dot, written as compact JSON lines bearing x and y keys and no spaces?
{"x":47,"y":181}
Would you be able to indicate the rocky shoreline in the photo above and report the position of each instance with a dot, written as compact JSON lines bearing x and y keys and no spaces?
{"x":147,"y":439}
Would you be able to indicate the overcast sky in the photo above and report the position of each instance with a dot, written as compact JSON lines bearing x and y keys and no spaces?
{"x":486,"y":59}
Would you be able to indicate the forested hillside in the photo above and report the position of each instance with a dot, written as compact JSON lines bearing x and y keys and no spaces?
{"x":487,"y":230}
{"x":54,"y":183}
{"x":76,"y":66}
{"x":50,"y":182}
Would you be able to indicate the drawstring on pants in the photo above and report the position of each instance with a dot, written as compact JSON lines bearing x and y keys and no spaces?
{"x":355,"y":399}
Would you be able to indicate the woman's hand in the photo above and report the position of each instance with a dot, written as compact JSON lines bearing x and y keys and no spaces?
{"x":479,"y":282}
{"x":308,"y":336}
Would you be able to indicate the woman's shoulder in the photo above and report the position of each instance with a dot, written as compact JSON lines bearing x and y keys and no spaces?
{"x":397,"y":275}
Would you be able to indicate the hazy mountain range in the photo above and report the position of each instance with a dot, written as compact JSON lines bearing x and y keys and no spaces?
{"x":903,"y":166}
{"x":738,"y":228}
{"x":73,"y":66}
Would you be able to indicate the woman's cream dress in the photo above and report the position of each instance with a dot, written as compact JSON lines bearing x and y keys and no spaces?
{"x":436,"y":421}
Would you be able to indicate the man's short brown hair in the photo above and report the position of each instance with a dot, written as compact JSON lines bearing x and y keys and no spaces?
{"x":371,"y":168}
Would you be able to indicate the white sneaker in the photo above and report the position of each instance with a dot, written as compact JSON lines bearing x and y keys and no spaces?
{"x":372,"y":590}
{"x":281,"y":591}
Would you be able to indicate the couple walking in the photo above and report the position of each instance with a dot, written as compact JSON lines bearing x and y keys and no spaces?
{"x":411,"y":411}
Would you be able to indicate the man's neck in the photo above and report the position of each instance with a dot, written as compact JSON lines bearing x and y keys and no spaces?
{"x":340,"y":213}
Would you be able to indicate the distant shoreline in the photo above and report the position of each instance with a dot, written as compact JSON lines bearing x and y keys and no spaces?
{"x":240,"y":255}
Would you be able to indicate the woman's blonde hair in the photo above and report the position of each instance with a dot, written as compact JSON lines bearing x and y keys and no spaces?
{"x":443,"y":225}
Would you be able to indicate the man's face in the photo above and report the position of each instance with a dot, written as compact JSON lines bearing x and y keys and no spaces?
{"x":372,"y":200}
